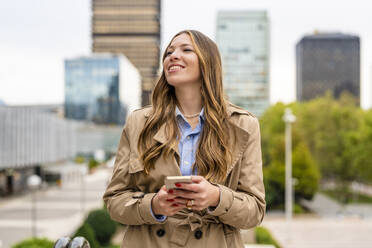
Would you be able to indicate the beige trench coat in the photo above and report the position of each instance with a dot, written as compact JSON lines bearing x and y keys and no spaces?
{"x":242,"y":196}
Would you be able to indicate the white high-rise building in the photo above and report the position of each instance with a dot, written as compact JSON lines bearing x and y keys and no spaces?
{"x":243,"y":40}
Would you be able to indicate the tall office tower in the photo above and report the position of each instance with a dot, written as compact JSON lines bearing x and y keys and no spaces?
{"x":327,"y":62}
{"x":243,"y":40}
{"x":101,"y":88}
{"x":130,"y":27}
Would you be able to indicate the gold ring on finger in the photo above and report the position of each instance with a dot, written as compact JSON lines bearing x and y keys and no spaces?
{"x":189,"y":204}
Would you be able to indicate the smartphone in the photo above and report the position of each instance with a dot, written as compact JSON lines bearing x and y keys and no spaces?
{"x":170,"y":181}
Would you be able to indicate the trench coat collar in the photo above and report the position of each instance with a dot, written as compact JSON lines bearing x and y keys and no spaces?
{"x":161,"y":137}
{"x":238,"y":134}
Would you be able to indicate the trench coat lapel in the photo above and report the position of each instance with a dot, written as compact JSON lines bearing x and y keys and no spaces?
{"x":161,"y":137}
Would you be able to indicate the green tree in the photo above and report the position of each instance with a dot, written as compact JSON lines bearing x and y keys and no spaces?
{"x":304,"y":167}
{"x":331,"y":129}
{"x":362,"y":163}
{"x":334,"y":135}
{"x":272,"y":128}
{"x":274,"y":184}
{"x":305,"y":171}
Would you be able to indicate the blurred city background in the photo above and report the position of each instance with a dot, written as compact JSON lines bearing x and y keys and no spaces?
{"x":71,"y":72}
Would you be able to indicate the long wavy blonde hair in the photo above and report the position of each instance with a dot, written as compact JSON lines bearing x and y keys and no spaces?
{"x":213,"y":153}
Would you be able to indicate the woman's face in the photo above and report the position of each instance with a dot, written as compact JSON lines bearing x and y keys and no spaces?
{"x":181,"y":64}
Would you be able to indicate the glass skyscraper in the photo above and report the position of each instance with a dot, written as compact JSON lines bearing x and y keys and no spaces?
{"x":327,"y":61}
{"x":243,"y":40}
{"x":101,"y":88}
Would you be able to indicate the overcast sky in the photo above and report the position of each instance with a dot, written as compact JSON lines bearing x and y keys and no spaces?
{"x":36,"y":36}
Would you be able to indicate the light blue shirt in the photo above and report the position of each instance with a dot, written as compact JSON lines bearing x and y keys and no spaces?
{"x":187,"y":147}
{"x":188,"y":142}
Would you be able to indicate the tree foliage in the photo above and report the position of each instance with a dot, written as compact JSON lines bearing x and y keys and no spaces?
{"x":305,"y":170}
{"x":330,"y":129}
{"x":362,"y":150}
{"x":331,"y":139}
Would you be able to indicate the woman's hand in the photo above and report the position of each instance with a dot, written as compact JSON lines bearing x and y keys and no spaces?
{"x":201,"y":191}
{"x":165,"y":202}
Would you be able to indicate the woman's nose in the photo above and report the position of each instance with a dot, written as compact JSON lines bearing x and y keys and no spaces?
{"x":175,"y":55}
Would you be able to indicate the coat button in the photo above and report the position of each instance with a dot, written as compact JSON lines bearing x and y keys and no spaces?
{"x":198,"y":234}
{"x":160,"y":232}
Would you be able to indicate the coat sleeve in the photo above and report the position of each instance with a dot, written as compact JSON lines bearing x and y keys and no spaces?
{"x":124,"y":202}
{"x":245,"y":207}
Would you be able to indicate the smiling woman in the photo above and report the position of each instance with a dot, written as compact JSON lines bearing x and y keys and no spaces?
{"x":190,"y":130}
{"x":182,"y":63}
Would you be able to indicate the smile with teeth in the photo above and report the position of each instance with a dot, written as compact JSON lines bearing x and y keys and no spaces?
{"x":175,"y":68}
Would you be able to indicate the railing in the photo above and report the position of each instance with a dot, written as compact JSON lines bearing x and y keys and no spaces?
{"x":67,"y":242}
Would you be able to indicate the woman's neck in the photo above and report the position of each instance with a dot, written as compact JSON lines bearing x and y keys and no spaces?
{"x":189,"y":99}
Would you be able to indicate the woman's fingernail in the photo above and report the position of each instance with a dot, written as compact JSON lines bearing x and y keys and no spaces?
{"x":177,"y":184}
{"x":170,"y":200}
{"x":175,"y":205}
{"x":170,"y":191}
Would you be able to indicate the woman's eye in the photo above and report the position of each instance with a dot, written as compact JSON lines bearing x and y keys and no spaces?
{"x":168,"y":53}
{"x":187,"y":50}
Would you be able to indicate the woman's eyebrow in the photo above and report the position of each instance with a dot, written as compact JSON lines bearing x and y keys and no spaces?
{"x":182,"y":45}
